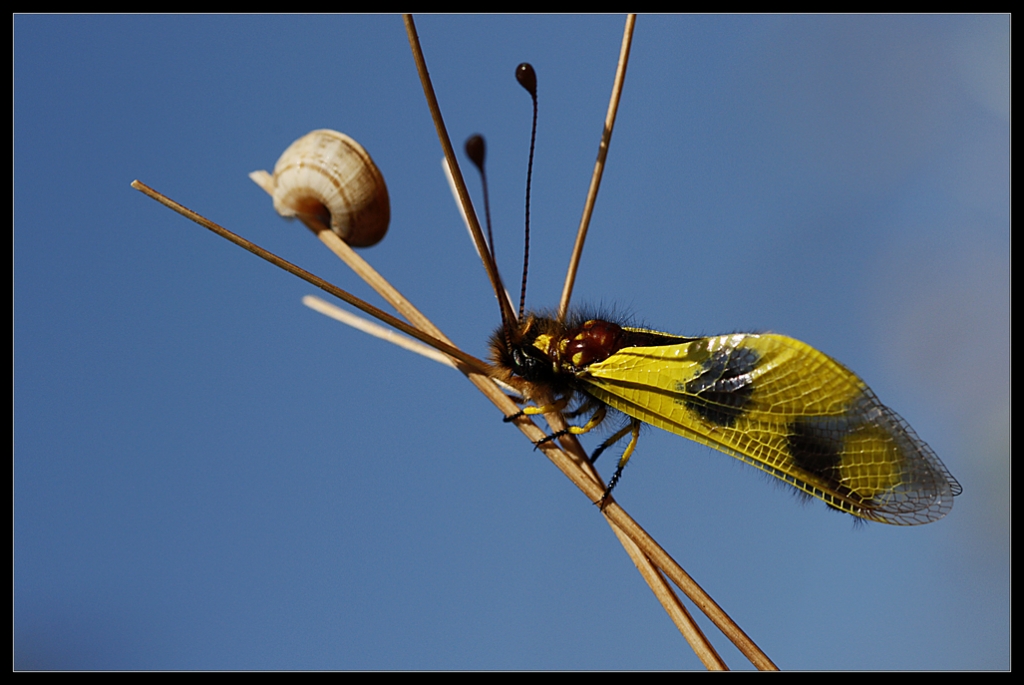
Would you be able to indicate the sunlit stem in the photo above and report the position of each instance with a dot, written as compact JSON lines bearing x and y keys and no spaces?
{"x":643,"y":549}
{"x":465,"y":218}
{"x":595,"y":181}
{"x":370,"y":328}
{"x":475,"y":365}
{"x":453,"y":164}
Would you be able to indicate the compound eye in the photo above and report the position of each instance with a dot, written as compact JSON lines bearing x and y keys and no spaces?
{"x":529,"y":364}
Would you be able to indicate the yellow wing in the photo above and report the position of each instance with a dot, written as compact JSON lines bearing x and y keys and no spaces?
{"x":784,"y":407}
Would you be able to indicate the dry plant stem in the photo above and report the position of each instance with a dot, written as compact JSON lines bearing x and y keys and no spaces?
{"x":465,"y":217}
{"x":340,"y":248}
{"x":651,"y":556}
{"x":573,"y":468}
{"x":370,"y":328}
{"x":602,"y":155}
{"x":386,"y":334}
{"x":578,"y":469}
{"x":680,"y":616}
{"x":614,"y":513}
{"x":471,"y":363}
{"x":474,"y":225}
{"x":453,"y":165}
{"x":476,"y":370}
{"x":573,"y":461}
{"x":594,"y":488}
{"x":366,"y":272}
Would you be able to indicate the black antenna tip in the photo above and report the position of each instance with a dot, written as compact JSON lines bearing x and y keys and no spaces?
{"x":476,"y":150}
{"x":527,"y":78}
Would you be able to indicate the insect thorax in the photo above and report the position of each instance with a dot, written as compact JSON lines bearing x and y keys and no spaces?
{"x":546,"y":351}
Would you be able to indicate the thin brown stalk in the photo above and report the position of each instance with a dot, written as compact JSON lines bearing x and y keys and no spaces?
{"x":489,"y":265}
{"x":374,"y":329}
{"x":602,"y":155}
{"x":456,"y":171}
{"x":571,"y":460}
{"x":578,"y":469}
{"x":689,"y":586}
{"x":680,"y":616}
{"x":471,"y":363}
{"x":366,"y":272}
{"x":573,"y":463}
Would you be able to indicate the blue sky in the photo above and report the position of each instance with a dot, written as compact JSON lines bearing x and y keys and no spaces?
{"x":209,"y":475}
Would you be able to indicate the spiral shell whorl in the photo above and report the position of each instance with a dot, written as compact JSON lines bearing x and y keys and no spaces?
{"x":328,"y":176}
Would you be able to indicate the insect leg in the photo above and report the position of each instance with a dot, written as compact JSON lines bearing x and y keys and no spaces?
{"x":634,"y":428}
{"x":558,"y":406}
{"x":619,"y":435}
{"x":589,"y":406}
{"x":594,"y":422}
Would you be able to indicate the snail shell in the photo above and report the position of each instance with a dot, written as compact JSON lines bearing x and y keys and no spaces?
{"x":327,"y":176}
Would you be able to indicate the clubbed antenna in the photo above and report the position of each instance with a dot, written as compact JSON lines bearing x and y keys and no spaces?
{"x":476,"y":150}
{"x":527,"y":78}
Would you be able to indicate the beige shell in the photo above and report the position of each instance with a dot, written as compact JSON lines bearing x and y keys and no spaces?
{"x":327,"y":176}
